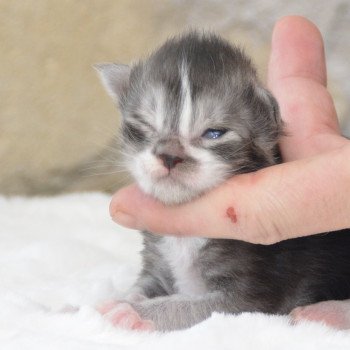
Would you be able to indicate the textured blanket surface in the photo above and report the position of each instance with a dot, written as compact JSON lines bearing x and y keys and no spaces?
{"x":65,"y":251}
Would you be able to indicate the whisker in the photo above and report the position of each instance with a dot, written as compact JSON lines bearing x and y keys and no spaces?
{"x":122,"y":176}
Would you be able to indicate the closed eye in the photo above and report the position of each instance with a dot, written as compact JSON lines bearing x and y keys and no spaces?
{"x":142,"y":121}
{"x":212,"y":134}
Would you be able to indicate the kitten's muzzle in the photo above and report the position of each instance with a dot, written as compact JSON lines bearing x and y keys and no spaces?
{"x":170,"y":161}
{"x":170,"y":151}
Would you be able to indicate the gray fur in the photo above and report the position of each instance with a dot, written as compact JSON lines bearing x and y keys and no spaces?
{"x":189,"y":85}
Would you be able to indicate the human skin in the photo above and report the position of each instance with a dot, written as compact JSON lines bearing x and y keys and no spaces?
{"x":307,"y":194}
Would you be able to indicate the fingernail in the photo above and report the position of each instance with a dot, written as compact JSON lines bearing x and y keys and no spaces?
{"x":124,"y":219}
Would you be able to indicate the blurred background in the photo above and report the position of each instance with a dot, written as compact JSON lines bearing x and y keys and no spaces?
{"x":58,"y":127}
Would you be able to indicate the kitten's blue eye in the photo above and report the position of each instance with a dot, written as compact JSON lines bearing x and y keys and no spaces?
{"x":213,"y":133}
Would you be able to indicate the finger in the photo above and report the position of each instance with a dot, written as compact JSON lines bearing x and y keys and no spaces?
{"x":297,"y":51}
{"x":263,"y":207}
{"x":297,"y":78}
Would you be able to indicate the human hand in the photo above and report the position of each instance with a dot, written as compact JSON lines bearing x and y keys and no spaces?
{"x":307,"y":194}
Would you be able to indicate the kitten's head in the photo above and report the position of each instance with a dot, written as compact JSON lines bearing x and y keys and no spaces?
{"x":194,"y":114}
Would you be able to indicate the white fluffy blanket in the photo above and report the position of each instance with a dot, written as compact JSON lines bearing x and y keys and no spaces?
{"x":66,"y":250}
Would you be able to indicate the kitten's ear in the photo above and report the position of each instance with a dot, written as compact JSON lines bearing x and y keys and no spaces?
{"x":268,"y":98}
{"x":115,"y":78}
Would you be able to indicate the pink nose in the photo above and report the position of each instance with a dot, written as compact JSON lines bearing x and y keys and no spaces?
{"x":170,"y":161}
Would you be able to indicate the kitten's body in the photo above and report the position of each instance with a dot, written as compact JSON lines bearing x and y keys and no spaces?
{"x":194,"y":114}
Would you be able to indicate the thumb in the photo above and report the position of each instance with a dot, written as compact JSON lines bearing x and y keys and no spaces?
{"x":280,"y":202}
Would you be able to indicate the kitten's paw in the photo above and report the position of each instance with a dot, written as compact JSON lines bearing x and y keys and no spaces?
{"x":333,"y":313}
{"x":123,"y":315}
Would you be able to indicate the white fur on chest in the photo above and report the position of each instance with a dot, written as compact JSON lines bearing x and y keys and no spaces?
{"x":181,"y":253}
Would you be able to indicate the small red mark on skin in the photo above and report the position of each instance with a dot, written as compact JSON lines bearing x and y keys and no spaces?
{"x":230,"y":212}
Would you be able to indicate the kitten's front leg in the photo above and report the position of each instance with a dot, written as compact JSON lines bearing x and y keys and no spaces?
{"x":167,"y":313}
{"x":180,"y":311}
{"x":120,"y":312}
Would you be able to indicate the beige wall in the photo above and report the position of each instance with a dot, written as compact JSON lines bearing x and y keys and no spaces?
{"x":55,"y":119}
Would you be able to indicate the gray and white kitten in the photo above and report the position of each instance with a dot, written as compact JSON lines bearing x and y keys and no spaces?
{"x":195,"y":114}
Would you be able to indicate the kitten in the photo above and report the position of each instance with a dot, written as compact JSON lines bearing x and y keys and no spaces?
{"x":195,"y":114}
